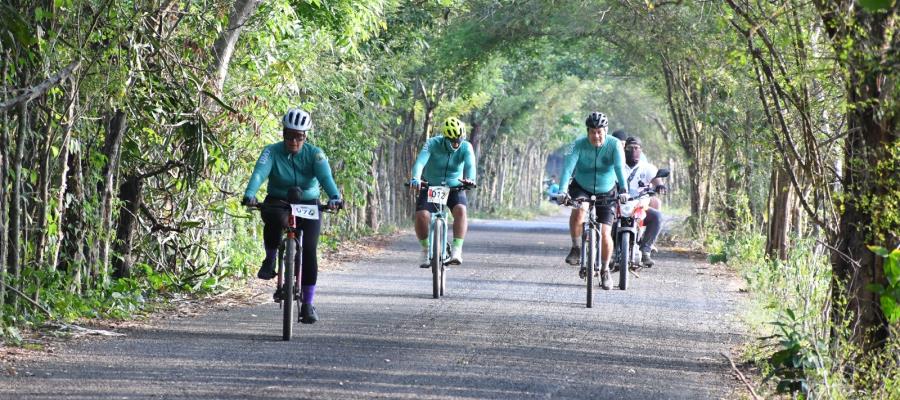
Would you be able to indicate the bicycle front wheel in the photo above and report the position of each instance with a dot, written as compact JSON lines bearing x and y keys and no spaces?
{"x":444,"y":270}
{"x":288,"y":290}
{"x":437,"y":257}
{"x":624,"y":260}
{"x":588,"y":257}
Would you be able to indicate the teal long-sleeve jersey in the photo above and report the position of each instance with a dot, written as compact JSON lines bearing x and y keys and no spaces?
{"x":284,"y":170}
{"x":596,"y":169}
{"x":439,"y":162}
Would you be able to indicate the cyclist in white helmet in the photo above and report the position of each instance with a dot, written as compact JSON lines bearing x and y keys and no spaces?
{"x":594,"y":163}
{"x":290,"y":163}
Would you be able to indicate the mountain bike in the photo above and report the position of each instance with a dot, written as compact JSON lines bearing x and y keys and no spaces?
{"x":438,"y":245}
{"x":590,"y":242}
{"x":287,"y":285}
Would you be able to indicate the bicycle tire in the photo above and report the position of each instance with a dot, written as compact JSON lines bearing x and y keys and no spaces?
{"x":288,"y":290}
{"x":298,"y":267}
{"x":587,"y":262}
{"x":624,"y":259}
{"x":444,"y":270}
{"x":437,"y":257}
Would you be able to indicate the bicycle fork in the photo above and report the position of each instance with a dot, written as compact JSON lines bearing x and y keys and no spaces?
{"x":590,"y":238}
{"x":431,"y":234}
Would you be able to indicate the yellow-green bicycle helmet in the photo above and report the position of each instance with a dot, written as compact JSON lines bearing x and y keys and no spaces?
{"x":454,"y":129}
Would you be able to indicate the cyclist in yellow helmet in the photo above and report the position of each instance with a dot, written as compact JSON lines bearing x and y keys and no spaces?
{"x":444,"y":160}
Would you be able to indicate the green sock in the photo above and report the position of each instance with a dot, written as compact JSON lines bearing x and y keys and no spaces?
{"x":457,"y":242}
{"x":424,"y":243}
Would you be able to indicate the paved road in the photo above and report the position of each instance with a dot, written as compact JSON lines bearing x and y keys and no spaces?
{"x":513,"y":326}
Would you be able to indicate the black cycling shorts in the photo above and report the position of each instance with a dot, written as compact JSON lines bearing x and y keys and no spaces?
{"x":455,"y":197}
{"x":606,"y":213}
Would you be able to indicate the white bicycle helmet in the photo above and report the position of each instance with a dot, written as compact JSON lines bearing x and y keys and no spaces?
{"x":297,"y":120}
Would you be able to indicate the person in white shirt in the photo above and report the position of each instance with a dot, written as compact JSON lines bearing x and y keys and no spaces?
{"x":639,"y":174}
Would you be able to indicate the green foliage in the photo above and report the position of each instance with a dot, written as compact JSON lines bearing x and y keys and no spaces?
{"x":801,"y":350}
{"x":876,"y":5}
{"x":796,"y":355}
{"x":11,"y":335}
{"x":889,"y":295}
{"x":883,"y":205}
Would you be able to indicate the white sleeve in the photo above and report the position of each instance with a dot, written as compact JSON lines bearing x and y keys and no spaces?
{"x":649,"y":172}
{"x":646,"y":174}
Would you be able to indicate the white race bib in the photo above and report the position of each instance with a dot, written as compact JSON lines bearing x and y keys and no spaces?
{"x":305,"y":211}
{"x":438,"y":194}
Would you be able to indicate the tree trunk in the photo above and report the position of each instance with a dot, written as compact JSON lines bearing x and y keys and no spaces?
{"x":733,"y":173}
{"x":63,"y":174}
{"x":709,"y":177}
{"x":426,"y":123}
{"x":431,"y":102}
{"x":130,"y":197}
{"x":373,"y":206}
{"x":44,"y":197}
{"x":223,"y":49}
{"x":779,"y":214}
{"x":870,"y":160}
{"x":678,"y":96}
{"x":111,"y":149}
{"x":4,"y":236}
{"x":15,"y":209}
{"x":72,"y":259}
{"x":475,"y":138}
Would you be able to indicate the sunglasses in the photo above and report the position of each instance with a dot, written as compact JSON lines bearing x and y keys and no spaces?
{"x":294,"y":136}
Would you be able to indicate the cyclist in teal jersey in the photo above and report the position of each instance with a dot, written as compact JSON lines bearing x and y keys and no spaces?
{"x":293,"y":162}
{"x":444,"y":160}
{"x":596,"y":162}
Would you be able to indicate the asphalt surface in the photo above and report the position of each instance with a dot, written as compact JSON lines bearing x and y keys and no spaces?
{"x":513,"y":325}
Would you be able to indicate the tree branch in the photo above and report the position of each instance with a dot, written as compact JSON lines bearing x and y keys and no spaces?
{"x":25,"y":296}
{"x":39,"y":90}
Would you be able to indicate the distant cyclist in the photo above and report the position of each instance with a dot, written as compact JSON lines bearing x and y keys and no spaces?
{"x":552,"y":188}
{"x":293,"y":162}
{"x":444,"y":160}
{"x":595,"y":164}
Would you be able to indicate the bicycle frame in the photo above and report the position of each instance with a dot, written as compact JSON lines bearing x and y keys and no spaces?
{"x":591,"y":223}
{"x":287,"y":288}
{"x":440,"y":214}
{"x":291,"y":233}
{"x":591,"y":242}
{"x":437,"y":240}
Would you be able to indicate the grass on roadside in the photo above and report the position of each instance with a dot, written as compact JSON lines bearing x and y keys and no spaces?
{"x":801,"y":353}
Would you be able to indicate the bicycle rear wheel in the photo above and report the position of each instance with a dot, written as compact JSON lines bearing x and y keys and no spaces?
{"x":588,"y":256}
{"x":288,"y":290}
{"x":437,"y":257}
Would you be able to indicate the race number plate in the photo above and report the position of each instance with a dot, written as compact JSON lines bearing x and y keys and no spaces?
{"x":438,"y":194}
{"x":305,"y":211}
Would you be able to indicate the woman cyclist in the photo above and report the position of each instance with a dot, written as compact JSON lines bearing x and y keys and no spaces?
{"x":291,"y":163}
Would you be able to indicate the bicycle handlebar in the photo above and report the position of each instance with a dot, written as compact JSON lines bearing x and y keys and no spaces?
{"x":580,"y":200}
{"x":646,"y":193}
{"x":464,"y":186}
{"x":287,"y":206}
